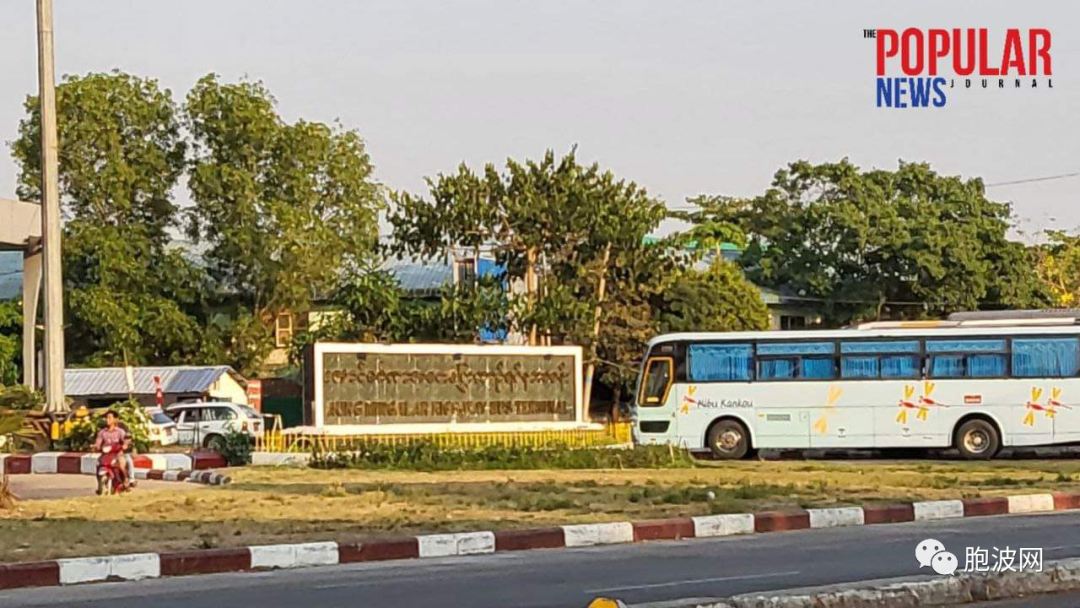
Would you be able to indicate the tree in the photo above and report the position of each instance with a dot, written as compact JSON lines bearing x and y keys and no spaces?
{"x":128,"y":301}
{"x":131,"y":297}
{"x":718,"y":298}
{"x":123,"y":152}
{"x":10,"y":341}
{"x":283,"y":209}
{"x":569,"y":225}
{"x":872,"y":244}
{"x":664,"y":288}
{"x":1059,"y":267}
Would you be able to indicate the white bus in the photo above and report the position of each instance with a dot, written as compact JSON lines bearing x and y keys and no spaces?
{"x":977,"y":384}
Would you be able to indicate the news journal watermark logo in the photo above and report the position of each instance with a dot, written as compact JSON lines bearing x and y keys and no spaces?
{"x":932,"y":553}
{"x":923,"y":68}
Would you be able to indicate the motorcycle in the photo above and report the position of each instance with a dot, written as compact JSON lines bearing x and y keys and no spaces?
{"x":110,"y":471}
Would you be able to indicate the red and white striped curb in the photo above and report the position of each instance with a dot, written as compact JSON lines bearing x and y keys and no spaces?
{"x":167,"y":467}
{"x":79,"y":462}
{"x":153,"y":565}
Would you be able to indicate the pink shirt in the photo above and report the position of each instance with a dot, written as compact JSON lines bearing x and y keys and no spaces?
{"x":105,"y":437}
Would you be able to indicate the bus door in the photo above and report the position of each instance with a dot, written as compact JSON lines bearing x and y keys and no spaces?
{"x":657,"y":416}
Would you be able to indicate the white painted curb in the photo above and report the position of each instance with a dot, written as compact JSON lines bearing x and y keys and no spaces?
{"x":180,"y":462}
{"x":938,"y":509}
{"x":294,"y":556}
{"x":133,"y":567}
{"x":464,"y":543}
{"x":277,"y":459}
{"x":1031,"y":503}
{"x":44,"y":462}
{"x":723,"y":525}
{"x":587,"y":535}
{"x":88,"y":464}
{"x":835,"y":517}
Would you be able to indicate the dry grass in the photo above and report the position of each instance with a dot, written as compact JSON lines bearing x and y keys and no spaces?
{"x":292,"y":505}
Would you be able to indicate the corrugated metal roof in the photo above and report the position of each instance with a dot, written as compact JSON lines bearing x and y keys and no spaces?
{"x":413,"y":277}
{"x":112,"y":381}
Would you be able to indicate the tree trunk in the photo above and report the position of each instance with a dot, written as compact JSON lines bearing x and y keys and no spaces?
{"x":530,"y":288}
{"x":615,"y":410}
{"x":591,"y":368}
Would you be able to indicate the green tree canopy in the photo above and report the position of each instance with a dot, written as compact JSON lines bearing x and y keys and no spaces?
{"x":718,"y":298}
{"x":130,"y":297}
{"x":10,"y":341}
{"x":1059,"y":267}
{"x":282,"y":209}
{"x":122,"y":152}
{"x":878,"y":243}
{"x":570,"y":223}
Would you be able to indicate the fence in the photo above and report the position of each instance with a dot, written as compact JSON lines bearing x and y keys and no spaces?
{"x":611,"y":434}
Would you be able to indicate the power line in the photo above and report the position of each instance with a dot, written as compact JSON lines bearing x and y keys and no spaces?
{"x":1035,"y":179}
{"x":1028,"y":180}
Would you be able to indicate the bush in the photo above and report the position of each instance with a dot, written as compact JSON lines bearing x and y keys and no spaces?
{"x":428,"y":456}
{"x":132,"y":417}
{"x":237,"y":449}
{"x":19,"y":397}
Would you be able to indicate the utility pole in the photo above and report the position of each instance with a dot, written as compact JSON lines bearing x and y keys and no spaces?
{"x":50,"y":215}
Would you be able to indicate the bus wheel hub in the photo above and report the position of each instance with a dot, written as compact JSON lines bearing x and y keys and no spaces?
{"x":730,"y":439}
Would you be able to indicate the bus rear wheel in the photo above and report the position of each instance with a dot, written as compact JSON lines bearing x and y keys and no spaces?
{"x":729,"y":440}
{"x":977,"y":439}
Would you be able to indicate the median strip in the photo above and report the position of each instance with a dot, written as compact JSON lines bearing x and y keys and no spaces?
{"x":152,"y":565}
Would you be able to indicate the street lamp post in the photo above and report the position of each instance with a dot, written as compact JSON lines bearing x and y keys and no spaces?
{"x":50,"y":215}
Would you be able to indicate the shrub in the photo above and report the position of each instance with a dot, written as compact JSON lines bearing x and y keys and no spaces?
{"x":428,"y":456}
{"x":132,"y":417}
{"x":19,"y":397}
{"x":237,"y":449}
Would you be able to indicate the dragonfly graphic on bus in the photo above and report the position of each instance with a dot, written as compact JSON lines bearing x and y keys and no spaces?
{"x":822,"y":423}
{"x":1051,"y":407}
{"x":923,"y":405}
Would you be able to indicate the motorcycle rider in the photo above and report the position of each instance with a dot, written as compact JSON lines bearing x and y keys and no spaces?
{"x":113,"y":437}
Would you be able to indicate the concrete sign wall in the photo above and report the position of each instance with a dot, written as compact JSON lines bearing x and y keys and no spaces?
{"x":421,"y":388}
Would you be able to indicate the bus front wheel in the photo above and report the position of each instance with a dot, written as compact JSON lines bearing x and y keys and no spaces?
{"x":729,"y":440}
{"x":977,"y":439}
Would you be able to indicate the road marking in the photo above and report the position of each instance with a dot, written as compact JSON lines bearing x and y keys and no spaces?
{"x":695,"y":581}
{"x":349,"y":584}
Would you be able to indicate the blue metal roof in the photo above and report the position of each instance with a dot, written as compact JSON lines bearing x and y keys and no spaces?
{"x":112,"y":380}
{"x":10,"y":275}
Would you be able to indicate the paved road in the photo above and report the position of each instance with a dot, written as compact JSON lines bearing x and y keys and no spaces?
{"x":1064,"y":600}
{"x":571,"y":578}
{"x":32,"y":487}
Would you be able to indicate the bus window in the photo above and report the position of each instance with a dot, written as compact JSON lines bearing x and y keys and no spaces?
{"x":875,"y":359}
{"x":720,"y":362}
{"x":657,"y":382}
{"x":859,"y":367}
{"x":966,"y":358}
{"x":1045,"y":357}
{"x":899,"y":367}
{"x":796,"y":360}
{"x":881,"y":346}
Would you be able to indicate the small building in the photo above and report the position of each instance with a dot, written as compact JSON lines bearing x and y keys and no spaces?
{"x":790,"y":312}
{"x":103,"y":386}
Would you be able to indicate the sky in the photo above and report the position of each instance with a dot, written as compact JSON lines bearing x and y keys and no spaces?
{"x":683,"y":97}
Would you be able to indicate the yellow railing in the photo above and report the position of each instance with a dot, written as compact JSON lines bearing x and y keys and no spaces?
{"x":612,"y":434}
